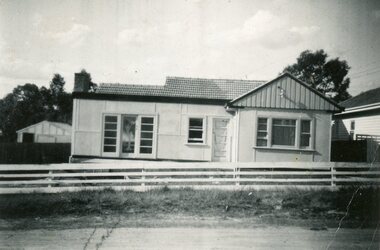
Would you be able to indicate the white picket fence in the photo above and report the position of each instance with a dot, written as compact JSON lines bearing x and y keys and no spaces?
{"x":144,"y":175}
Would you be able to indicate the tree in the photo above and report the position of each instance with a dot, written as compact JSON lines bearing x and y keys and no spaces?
{"x":327,"y":76}
{"x":27,"y":105}
{"x":57,"y":85}
{"x":23,"y":107}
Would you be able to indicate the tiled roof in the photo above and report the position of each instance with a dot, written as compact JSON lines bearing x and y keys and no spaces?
{"x":369,"y":97}
{"x":217,"y":89}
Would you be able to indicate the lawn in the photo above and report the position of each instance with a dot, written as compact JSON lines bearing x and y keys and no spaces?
{"x":288,"y":204}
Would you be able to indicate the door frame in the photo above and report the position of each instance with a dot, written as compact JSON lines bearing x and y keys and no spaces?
{"x":137,"y":135}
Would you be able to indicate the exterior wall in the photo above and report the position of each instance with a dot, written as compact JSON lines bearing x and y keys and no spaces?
{"x":44,"y":132}
{"x":172,"y":126}
{"x":247,"y":151}
{"x":368,"y":125}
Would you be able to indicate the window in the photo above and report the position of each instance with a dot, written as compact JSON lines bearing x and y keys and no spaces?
{"x":110,"y":134}
{"x":262,"y":132}
{"x":196,"y":130}
{"x":352,"y":130}
{"x":305,"y":133}
{"x":146,"y":135}
{"x":283,"y":132}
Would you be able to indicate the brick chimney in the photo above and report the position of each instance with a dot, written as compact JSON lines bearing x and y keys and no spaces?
{"x":81,"y":83}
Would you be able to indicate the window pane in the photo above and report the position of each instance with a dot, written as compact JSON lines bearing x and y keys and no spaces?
{"x":146,"y":127}
{"x":109,"y":133}
{"x":147,"y":135}
{"x":111,"y":126}
{"x":261,"y":134}
{"x":108,"y":141}
{"x":145,"y":150}
{"x":261,"y":142}
{"x":263,"y":127}
{"x":195,"y":134}
{"x":109,"y":149}
{"x":305,"y":140}
{"x":111,"y":118}
{"x":196,"y":122}
{"x":263,"y":121}
{"x":305,"y":126}
{"x":284,"y":122}
{"x":147,"y":120}
{"x":146,"y":143}
{"x":283,"y":132}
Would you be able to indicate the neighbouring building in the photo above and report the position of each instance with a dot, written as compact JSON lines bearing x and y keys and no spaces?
{"x":360,"y":117}
{"x":358,"y":122}
{"x":45,"y":132}
{"x":194,"y":119}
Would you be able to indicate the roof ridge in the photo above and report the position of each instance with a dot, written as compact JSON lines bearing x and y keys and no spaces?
{"x":127,"y":84}
{"x":225,"y":79}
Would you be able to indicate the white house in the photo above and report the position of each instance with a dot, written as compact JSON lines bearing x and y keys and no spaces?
{"x":194,"y":119}
{"x":360,"y":117}
{"x":45,"y":132}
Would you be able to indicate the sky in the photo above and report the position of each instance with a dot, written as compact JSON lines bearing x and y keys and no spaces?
{"x":143,"y":41}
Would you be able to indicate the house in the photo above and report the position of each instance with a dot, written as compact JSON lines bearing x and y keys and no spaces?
{"x":360,"y":117}
{"x":194,"y":119}
{"x":359,"y":121}
{"x":45,"y":132}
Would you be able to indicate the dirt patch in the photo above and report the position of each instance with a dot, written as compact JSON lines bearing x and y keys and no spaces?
{"x":317,"y":208}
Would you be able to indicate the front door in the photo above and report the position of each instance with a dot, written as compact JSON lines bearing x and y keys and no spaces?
{"x":128,"y":135}
{"x":220,"y":140}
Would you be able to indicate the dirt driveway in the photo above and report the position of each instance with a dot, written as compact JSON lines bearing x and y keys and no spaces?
{"x":235,"y":235}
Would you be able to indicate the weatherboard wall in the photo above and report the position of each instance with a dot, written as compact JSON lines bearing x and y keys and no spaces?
{"x":172,"y":126}
{"x":248,"y":152}
{"x":285,"y":93}
{"x":364,"y":124}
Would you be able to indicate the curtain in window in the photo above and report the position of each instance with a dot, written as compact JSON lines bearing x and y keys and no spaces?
{"x":284,"y":132}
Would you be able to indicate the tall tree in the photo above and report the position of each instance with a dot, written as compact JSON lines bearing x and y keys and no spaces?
{"x":327,"y":76}
{"x":23,"y":107}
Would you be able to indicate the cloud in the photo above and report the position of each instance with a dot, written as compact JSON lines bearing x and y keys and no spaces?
{"x":73,"y":37}
{"x":136,"y":36}
{"x":152,"y":34}
{"x":376,"y":14}
{"x":267,"y":30}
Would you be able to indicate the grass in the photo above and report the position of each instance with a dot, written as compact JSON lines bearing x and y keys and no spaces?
{"x":291,"y":203}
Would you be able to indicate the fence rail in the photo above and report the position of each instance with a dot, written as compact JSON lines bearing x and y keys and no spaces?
{"x":142,"y":175}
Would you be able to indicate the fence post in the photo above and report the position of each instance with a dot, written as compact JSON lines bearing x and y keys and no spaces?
{"x":143,"y":177}
{"x":237,"y":176}
{"x":50,"y":178}
{"x":333,"y":177}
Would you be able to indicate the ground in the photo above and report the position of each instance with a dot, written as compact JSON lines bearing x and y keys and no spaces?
{"x":179,"y":232}
{"x":192,"y":219}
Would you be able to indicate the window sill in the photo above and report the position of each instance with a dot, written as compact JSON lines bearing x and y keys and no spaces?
{"x":285,"y":149}
{"x":196,"y":144}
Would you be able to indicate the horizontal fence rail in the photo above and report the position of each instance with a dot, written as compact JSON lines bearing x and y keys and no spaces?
{"x":143,"y":175}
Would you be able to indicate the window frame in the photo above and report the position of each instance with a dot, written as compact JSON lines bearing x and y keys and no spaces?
{"x":295,"y":132}
{"x":204,"y":130}
{"x":136,"y":154}
{"x":118,"y":127}
{"x":298,"y":132}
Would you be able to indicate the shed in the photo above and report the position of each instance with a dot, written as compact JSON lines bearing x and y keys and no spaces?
{"x":45,"y":132}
